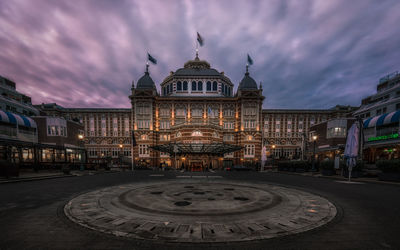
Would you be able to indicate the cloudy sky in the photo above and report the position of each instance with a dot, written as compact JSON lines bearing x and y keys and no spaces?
{"x":307,"y":53}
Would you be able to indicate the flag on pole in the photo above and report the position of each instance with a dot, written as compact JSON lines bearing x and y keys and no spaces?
{"x":200,"y":39}
{"x":249,"y":60}
{"x":133,"y":139}
{"x":151,"y":59}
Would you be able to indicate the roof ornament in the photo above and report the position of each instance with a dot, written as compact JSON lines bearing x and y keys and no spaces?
{"x":247,"y":69}
{"x":147,"y":68}
{"x":260,"y":85}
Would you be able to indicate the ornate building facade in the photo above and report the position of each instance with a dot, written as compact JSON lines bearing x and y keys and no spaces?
{"x":195,"y":121}
{"x":198,"y":118}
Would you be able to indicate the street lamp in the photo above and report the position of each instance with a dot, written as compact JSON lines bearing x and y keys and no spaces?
{"x":273,"y":154}
{"x":120,"y":155}
{"x":314,"y":138}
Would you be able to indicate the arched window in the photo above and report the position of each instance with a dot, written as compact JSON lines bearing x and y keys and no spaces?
{"x":179,"y":86}
{"x":215,"y":86}
{"x":200,"y":86}
{"x":208,"y":86}
{"x":194,"y":85}
{"x":222,"y":88}
{"x":197,"y":133}
{"x":164,"y":91}
{"x":249,"y":137}
{"x":185,"y":86}
{"x":167,"y":89}
{"x":229,"y":91}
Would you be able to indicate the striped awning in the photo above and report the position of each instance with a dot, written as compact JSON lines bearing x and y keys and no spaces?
{"x":17,"y":119}
{"x":382,"y":119}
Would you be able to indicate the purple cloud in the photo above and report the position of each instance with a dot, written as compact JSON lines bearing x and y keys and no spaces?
{"x":86,"y":53}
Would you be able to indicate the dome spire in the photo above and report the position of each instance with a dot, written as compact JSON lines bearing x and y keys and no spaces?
{"x":147,"y":68}
{"x":247,"y":69}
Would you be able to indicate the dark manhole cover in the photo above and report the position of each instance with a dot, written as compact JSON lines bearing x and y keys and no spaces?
{"x":229,"y":189}
{"x":198,"y":193}
{"x":182,"y":203}
{"x":188,"y":187}
{"x":241,"y":198}
{"x":159,"y":192}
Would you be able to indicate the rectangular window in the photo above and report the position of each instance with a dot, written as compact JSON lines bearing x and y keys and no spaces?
{"x":164,"y":125}
{"x":197,"y":112}
{"x":165,"y":112}
{"x":249,"y":150}
{"x":115,"y":152}
{"x":165,"y":137}
{"x":143,"y":124}
{"x":143,"y":150}
{"x":228,"y":125}
{"x":228,"y":112}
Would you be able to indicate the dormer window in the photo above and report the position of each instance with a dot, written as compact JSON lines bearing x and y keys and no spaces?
{"x":200,"y":86}
{"x":215,"y":86}
{"x":208,"y":86}
{"x":185,"y":86}
{"x":179,"y":86}
{"x":194,"y":86}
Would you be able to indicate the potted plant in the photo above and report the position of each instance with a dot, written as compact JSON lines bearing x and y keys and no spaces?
{"x":356,"y":171}
{"x":328,"y":167}
{"x":390,"y":170}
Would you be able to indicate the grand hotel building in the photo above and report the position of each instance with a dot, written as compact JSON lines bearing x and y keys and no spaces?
{"x":195,"y":121}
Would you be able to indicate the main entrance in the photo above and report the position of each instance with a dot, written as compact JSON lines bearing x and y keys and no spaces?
{"x":197,"y":156}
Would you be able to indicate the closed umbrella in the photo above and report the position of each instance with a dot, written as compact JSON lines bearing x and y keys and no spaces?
{"x":263,"y":157}
{"x":352,"y":146}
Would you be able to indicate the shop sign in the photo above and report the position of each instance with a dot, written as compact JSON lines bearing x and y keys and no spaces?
{"x":384,"y":137}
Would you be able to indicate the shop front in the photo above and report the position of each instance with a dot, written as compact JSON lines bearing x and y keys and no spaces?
{"x":381,"y":137}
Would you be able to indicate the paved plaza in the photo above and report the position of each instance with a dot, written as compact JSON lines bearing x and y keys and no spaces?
{"x":221,"y":210}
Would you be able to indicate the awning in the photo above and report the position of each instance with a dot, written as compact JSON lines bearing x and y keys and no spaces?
{"x":197,"y":148}
{"x":17,"y":119}
{"x":382,"y":119}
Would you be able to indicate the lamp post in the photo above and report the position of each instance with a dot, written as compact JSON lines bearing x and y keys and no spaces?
{"x":313,"y":159}
{"x":121,"y":154}
{"x":273,"y":154}
{"x":81,"y":137}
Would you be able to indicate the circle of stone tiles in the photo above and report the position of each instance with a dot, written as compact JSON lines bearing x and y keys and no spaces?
{"x":198,"y":211}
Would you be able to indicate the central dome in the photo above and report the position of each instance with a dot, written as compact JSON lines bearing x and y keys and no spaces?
{"x":197,"y":78}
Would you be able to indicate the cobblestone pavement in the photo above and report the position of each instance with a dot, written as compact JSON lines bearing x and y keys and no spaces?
{"x":32,"y":213}
{"x":200,"y":211}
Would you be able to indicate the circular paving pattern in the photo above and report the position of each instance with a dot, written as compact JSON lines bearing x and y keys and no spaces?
{"x":202,"y":211}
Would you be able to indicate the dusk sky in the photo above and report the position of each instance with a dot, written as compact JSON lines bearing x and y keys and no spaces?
{"x":307,"y":54}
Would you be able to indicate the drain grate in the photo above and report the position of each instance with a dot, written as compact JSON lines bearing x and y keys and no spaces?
{"x":182,"y":203}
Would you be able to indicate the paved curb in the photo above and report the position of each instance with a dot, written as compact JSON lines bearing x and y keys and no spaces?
{"x":45,"y":177}
{"x":341,"y":178}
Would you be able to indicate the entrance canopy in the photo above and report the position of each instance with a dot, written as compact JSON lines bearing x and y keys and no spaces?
{"x":197,"y":148}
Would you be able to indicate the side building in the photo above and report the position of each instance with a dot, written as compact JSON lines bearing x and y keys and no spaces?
{"x":380,"y":113}
{"x":286,"y":131}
